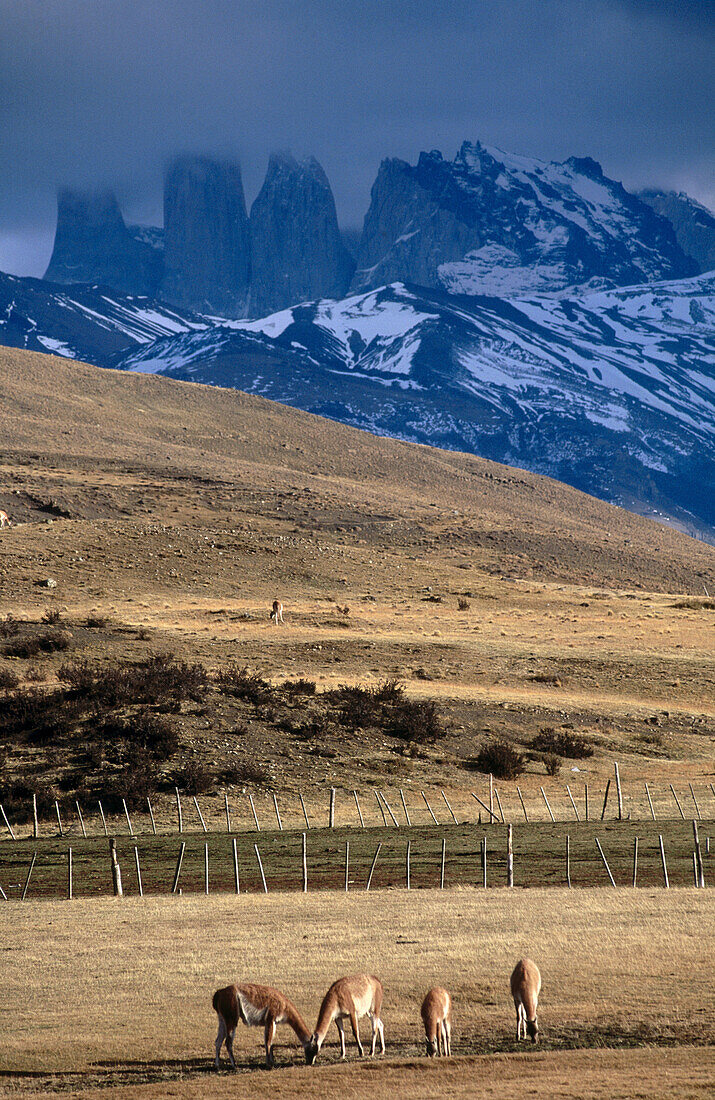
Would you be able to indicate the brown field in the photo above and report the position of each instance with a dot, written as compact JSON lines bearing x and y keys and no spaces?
{"x":100,"y":997}
{"x":170,"y":516}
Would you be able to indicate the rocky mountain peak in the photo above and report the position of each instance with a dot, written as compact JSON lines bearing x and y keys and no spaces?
{"x":93,"y":245}
{"x":297,"y":249}
{"x":207,"y":249}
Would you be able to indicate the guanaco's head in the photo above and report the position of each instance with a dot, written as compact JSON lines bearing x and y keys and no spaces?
{"x":311,"y":1049}
{"x":532,"y":1029}
{"x":432,"y":1047}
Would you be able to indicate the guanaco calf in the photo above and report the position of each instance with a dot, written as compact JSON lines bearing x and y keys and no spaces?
{"x":255,"y":1006}
{"x":525,"y":989}
{"x":353,"y":997}
{"x":277,"y":611}
{"x":437,"y":1018}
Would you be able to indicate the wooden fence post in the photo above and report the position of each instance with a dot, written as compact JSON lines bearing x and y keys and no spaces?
{"x":444,"y":796}
{"x":491,"y":795}
{"x":585,"y":800}
{"x":407,"y":864}
{"x":509,"y":858}
{"x":605,"y":862}
{"x":260,"y":865}
{"x":357,"y":804}
{"x":59,"y":819}
{"x":4,"y":817}
{"x":369,"y":877}
{"x":116,"y":873}
{"x":139,"y":872}
{"x":575,"y":809}
{"x":650,"y":803}
{"x":104,"y":820}
{"x":347,"y":864}
{"x":35,"y":822}
{"x":81,"y":819}
{"x":305,"y":864}
{"x":255,"y":815}
{"x":662,"y":859}
{"x":126,"y":814}
{"x":605,"y":799}
{"x":547,"y":804}
{"x":618,"y":792}
{"x":151,"y":816}
{"x":379,"y":803}
{"x":69,"y":874}
{"x":526,"y":816}
{"x":331,"y":811}
{"x":278,"y":816}
{"x":568,"y":861}
{"x":484,"y":863}
{"x":206,"y":869}
{"x":389,"y":810}
{"x":635,"y":861}
{"x":424,"y":796}
{"x":236,"y":878}
{"x":492,"y":815}
{"x":444,"y":857}
{"x":501,"y":812}
{"x":404,"y":807}
{"x":178,"y":811}
{"x":677,"y":803}
{"x":695,"y":869}
{"x":695,"y":802}
{"x":228,"y":812}
{"x":27,"y":880}
{"x":698,"y":857}
{"x":201,"y":816}
{"x":177,"y":872}
{"x":305,"y":812}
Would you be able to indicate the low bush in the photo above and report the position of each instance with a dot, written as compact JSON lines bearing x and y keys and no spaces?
{"x":299,"y":687}
{"x":561,"y":743}
{"x":8,"y":680}
{"x":194,"y":777}
{"x":51,"y":616}
{"x":552,"y":763}
{"x":500,"y":759}
{"x":415,"y":721}
{"x":242,"y":684}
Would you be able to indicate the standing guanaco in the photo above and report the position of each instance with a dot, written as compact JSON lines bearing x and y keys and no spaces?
{"x":353,"y":997}
{"x":277,"y":611}
{"x":525,"y":989}
{"x":255,"y":1006}
{"x":437,"y":1018}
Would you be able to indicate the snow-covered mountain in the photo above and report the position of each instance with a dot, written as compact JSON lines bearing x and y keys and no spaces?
{"x":491,"y":222}
{"x":91,"y":323}
{"x":611,"y":391}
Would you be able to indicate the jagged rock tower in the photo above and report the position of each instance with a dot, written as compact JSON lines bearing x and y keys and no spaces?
{"x":207,"y":249}
{"x":298,"y":252}
{"x":93,"y":245}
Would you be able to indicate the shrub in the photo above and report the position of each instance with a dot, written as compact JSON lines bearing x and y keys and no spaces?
{"x":561,"y":743}
{"x":552,"y":763}
{"x":501,"y":760}
{"x":415,"y":721}
{"x":243,"y":772}
{"x":23,"y":648}
{"x":51,"y":616}
{"x":463,"y":604}
{"x":193,"y":776}
{"x":357,"y":706}
{"x":9,"y":627}
{"x":158,"y":679}
{"x":96,"y":622}
{"x":8,"y":680}
{"x":148,"y":733}
{"x":54,"y":640}
{"x":299,"y":687}
{"x":242,"y":684}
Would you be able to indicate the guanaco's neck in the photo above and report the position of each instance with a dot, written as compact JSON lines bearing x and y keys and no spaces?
{"x":325,"y":1017}
{"x":296,"y":1021}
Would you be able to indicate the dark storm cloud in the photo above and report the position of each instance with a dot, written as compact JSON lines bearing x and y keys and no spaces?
{"x":104,"y":91}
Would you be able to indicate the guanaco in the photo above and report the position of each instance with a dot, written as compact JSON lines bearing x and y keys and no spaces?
{"x":255,"y":1006}
{"x":353,"y":997}
{"x":525,"y":989}
{"x":437,"y":1018}
{"x":4,"y":519}
{"x":277,"y":612}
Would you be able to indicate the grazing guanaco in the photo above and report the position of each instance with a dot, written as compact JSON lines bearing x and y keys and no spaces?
{"x":255,"y":1006}
{"x":525,"y":989}
{"x":277,"y":612}
{"x":353,"y":997}
{"x":4,"y":519}
{"x":437,"y":1018}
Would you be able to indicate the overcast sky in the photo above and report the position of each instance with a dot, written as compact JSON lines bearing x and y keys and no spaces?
{"x":96,"y":92}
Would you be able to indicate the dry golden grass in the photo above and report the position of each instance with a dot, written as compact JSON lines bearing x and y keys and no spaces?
{"x":115,"y":997}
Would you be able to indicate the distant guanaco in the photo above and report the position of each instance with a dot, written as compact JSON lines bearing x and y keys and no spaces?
{"x":4,"y":519}
{"x":277,"y":611}
{"x":255,"y":1006}
{"x":437,"y":1018}
{"x":525,"y":989}
{"x":353,"y":997}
